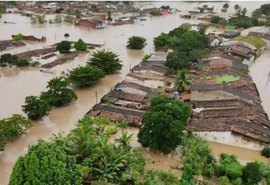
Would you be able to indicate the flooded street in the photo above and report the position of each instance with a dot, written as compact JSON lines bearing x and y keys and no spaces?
{"x":17,"y":83}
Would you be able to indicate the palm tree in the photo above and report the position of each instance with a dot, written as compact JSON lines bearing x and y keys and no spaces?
{"x":244,"y":12}
{"x":182,"y":83}
{"x":124,"y":140}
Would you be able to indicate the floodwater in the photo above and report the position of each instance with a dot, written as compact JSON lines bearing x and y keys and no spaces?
{"x":154,"y":160}
{"x":16,"y":84}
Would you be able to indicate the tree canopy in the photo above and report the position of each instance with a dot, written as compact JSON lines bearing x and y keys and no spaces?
{"x":35,"y":108}
{"x":85,"y":76}
{"x":59,"y":93}
{"x":252,"y":174}
{"x":12,"y":127}
{"x":193,"y":40}
{"x":80,"y":45}
{"x":229,"y":166}
{"x":163,"y":124}
{"x":63,"y":47}
{"x":177,"y":60}
{"x":46,"y":163}
{"x":265,"y":9}
{"x":136,"y":42}
{"x":106,"y":61}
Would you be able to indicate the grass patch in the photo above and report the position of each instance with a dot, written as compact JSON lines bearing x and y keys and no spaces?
{"x":226,"y":79}
{"x":257,"y":42}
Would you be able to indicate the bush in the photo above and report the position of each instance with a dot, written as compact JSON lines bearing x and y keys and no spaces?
{"x":136,"y":42}
{"x":163,"y":124}
{"x":229,"y":166}
{"x":107,"y":61}
{"x":63,"y":47}
{"x":80,"y":45}
{"x":18,"y":37}
{"x":35,"y":108}
{"x":11,"y":128}
{"x":85,"y":76}
{"x":162,"y":41}
{"x":266,"y":152}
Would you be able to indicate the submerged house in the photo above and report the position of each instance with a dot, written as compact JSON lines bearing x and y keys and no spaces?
{"x":224,"y":99}
{"x":91,"y":23}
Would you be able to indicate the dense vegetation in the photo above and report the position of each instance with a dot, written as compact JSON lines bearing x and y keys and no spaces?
{"x":83,"y":157}
{"x":85,"y":76}
{"x":63,"y":47}
{"x":107,"y":61}
{"x":163,"y":124}
{"x":187,"y":46}
{"x":13,"y":60}
{"x":46,"y":163}
{"x":36,"y":108}
{"x":136,"y":42}
{"x":59,"y":93}
{"x":11,"y":128}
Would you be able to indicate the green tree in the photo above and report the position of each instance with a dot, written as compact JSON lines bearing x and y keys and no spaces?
{"x":182,"y":83}
{"x":136,"y":42}
{"x":217,"y":20}
{"x":106,"y":61}
{"x":161,"y":41}
{"x":35,"y":108}
{"x":163,"y":124}
{"x":252,"y":174}
{"x":229,"y":166}
{"x":237,"y":8}
{"x":226,"y":6}
{"x":12,"y":127}
{"x":99,"y":159}
{"x":85,"y":76}
{"x":45,"y":163}
{"x":242,"y":21}
{"x":266,"y":152}
{"x":80,"y":45}
{"x":265,"y":9}
{"x":59,"y":93}
{"x":18,"y":37}
{"x":63,"y":47}
{"x":177,"y":32}
{"x":257,"y":13}
{"x":177,"y":60}
{"x":193,"y":40}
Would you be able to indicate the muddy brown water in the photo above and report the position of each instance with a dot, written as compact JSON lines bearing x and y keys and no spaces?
{"x":16,"y":84}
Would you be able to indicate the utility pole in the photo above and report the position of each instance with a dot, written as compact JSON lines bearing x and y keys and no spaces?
{"x":96,"y":97}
